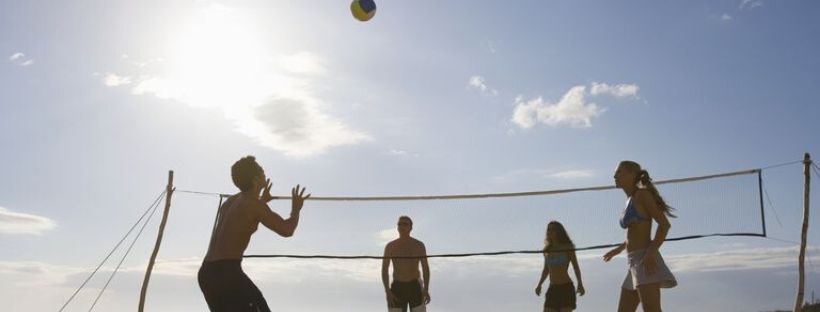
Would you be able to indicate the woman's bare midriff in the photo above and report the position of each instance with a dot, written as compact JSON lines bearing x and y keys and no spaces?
{"x":559,"y":274}
{"x":638,"y":236}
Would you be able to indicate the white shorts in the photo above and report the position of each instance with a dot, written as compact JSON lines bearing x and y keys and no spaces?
{"x":637,"y":275}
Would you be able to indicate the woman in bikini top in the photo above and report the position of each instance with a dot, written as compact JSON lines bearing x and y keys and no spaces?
{"x":647,"y":271}
{"x":559,"y":253}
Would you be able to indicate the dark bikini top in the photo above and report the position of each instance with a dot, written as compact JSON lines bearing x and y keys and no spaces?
{"x":630,"y":215}
{"x":559,"y":259}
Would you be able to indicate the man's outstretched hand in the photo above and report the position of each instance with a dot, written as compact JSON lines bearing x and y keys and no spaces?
{"x":298,"y":197}
{"x":266,"y":197}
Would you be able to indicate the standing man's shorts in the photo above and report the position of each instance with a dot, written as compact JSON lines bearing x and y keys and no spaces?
{"x":407,"y":294}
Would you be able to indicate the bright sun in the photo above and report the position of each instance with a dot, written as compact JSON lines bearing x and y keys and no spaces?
{"x":218,"y":59}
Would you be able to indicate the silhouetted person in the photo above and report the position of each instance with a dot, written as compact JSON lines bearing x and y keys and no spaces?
{"x":221,"y":279}
{"x":558,"y":255}
{"x":406,"y":289}
{"x":647,"y":271}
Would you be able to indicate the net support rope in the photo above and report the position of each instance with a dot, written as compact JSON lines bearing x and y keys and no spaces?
{"x":512,"y":194}
{"x":156,"y":201}
{"x":124,"y":256}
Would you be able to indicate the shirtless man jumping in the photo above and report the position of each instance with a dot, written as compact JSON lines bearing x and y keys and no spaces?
{"x":221,"y":279}
{"x":406,"y":289}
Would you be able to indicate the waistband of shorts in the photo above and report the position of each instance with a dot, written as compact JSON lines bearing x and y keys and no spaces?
{"x":413,"y":282}
{"x":570,"y":283}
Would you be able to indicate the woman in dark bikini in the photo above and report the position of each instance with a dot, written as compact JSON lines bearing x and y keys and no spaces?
{"x":558,"y":254}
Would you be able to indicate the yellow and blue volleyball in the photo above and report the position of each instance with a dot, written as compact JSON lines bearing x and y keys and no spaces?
{"x":363,"y":10}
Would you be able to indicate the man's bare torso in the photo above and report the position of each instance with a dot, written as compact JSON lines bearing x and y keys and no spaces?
{"x":237,"y":222}
{"x":405,"y":270}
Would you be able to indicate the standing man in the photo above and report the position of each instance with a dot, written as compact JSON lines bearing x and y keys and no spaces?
{"x":223,"y":282}
{"x":406,"y":253}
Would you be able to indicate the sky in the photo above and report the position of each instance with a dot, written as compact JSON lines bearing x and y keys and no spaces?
{"x":100,"y":99}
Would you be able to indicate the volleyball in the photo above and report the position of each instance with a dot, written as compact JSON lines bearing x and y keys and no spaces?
{"x":363,"y":10}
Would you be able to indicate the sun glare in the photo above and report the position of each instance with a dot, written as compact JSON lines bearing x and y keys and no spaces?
{"x":218,"y":59}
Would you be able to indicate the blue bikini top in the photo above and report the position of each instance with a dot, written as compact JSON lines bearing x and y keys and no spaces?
{"x":559,"y":259}
{"x":630,"y":215}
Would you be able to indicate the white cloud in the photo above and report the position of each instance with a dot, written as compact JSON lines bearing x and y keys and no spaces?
{"x":618,"y":90}
{"x":23,"y":223}
{"x":386,"y":236}
{"x":277,"y":111}
{"x":738,"y":259}
{"x":295,"y":126}
{"x":491,"y":46}
{"x":750,"y":4}
{"x":173,"y":267}
{"x":401,"y":153}
{"x":34,"y":273}
{"x":573,"y":174}
{"x":281,"y":270}
{"x":356,"y":270}
{"x":726,"y":17}
{"x":161,"y":88}
{"x":507,"y":265}
{"x":113,"y":80}
{"x":573,"y":109}
{"x":21,"y":59}
{"x":479,"y":83}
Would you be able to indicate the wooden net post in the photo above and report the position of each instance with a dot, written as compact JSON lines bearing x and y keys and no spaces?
{"x":168,"y":192}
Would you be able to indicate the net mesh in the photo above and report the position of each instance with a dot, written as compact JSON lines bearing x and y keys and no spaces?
{"x":463,"y":225}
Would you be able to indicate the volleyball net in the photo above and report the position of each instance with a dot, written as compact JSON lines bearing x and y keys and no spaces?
{"x":727,"y":204}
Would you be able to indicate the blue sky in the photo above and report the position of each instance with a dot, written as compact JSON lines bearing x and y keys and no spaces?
{"x":98,"y":99}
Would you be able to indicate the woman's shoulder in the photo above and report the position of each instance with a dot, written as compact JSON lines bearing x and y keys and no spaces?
{"x":643,"y":197}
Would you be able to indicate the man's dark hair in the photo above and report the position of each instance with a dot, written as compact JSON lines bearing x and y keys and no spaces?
{"x":244,"y":171}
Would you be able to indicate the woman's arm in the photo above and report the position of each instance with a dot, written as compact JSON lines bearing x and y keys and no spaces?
{"x":650,"y":206}
{"x":544,"y":273}
{"x":577,"y":270}
{"x":614,"y":252}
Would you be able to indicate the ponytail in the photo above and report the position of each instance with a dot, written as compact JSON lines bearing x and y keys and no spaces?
{"x":646,"y":181}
